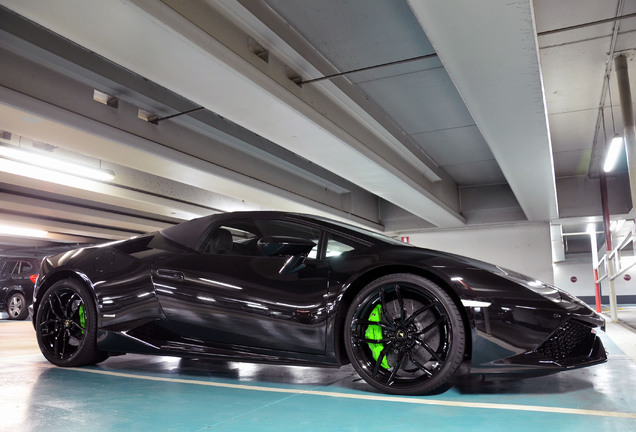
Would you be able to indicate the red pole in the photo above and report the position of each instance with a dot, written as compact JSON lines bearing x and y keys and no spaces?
{"x":598,"y":291}
{"x":608,"y":234}
{"x":606,"y":213}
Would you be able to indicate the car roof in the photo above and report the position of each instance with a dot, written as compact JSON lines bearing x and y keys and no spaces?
{"x":189,"y":232}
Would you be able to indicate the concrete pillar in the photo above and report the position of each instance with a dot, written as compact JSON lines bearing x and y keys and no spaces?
{"x":629,"y":134}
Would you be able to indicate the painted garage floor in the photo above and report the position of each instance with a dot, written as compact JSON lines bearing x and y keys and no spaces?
{"x":144,"y":393}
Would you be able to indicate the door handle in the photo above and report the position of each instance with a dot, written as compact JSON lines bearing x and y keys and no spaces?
{"x":171,"y":274}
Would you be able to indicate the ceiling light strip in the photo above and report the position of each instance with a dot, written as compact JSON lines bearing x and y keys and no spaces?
{"x":53,"y":164}
{"x":39,"y":173}
{"x":613,"y":153}
{"x":22,"y":232}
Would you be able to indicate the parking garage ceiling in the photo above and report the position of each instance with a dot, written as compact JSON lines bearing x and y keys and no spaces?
{"x":394,"y":115}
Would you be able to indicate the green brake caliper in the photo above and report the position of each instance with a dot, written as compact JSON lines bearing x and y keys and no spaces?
{"x":374,"y":332}
{"x":82,"y":317}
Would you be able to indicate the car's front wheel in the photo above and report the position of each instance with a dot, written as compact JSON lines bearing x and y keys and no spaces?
{"x":404,"y":335}
{"x":66,"y":325}
{"x":17,"y":307}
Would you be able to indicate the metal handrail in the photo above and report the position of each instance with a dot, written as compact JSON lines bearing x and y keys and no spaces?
{"x":623,"y":270}
{"x":617,"y":253}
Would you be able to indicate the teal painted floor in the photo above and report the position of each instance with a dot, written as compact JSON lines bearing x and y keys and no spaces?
{"x":143,"y":393}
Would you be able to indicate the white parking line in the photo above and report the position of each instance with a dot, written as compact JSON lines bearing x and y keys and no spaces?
{"x":397,"y":399}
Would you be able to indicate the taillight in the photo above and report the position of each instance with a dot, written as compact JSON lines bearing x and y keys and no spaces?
{"x":33,"y":278}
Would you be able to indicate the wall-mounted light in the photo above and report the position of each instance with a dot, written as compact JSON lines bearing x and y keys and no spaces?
{"x":48,"y":166}
{"x":105,"y":98}
{"x":615,"y":147}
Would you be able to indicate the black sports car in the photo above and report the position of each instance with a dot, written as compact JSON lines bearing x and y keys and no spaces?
{"x":291,"y":288}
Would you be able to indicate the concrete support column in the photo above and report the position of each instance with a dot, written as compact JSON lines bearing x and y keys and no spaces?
{"x":629,"y":134}
{"x":627,"y":112}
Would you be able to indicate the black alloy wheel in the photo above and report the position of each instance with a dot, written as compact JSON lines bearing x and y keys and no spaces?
{"x":17,"y":307}
{"x":66,"y":325}
{"x":404,"y":335}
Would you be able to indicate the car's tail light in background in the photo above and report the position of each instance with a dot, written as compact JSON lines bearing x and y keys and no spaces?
{"x":33,"y":278}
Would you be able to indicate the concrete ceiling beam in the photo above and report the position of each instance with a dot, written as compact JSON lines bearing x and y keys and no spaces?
{"x":489,"y":49}
{"x":205,"y":71}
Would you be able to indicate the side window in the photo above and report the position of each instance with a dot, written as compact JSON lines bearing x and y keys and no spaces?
{"x":338,"y":245}
{"x":241,"y":237}
{"x":25,"y":267}
{"x":232,"y":240}
{"x":282,"y":228}
{"x":9,"y":267}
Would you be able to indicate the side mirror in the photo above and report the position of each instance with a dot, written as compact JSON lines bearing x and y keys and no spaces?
{"x":295,"y":248}
{"x":285,"y":246}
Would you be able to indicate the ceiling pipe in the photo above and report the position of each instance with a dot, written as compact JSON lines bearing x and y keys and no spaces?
{"x":393,"y":63}
{"x":587,"y":24}
{"x":605,"y":89}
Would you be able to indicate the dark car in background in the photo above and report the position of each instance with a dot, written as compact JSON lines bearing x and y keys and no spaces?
{"x":17,"y":279}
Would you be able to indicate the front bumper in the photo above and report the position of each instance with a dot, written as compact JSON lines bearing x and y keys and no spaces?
{"x":513,"y":338}
{"x":574,"y":344}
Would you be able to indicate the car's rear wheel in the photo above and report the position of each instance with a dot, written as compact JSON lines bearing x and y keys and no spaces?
{"x":66,"y":325}
{"x":404,"y":335}
{"x":17,"y":307}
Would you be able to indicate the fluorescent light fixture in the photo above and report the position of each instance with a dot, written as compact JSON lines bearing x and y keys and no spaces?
{"x":53,"y":164}
{"x":614,"y":151}
{"x":39,"y":173}
{"x":21,"y":232}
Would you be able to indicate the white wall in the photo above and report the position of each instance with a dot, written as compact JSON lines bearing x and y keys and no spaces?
{"x":525,"y":248}
{"x":623,"y":287}
{"x":582,"y":271}
{"x":584,"y":286}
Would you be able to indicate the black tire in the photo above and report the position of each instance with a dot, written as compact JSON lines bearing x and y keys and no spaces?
{"x":66,"y":325}
{"x":17,"y":306}
{"x":404,"y":335}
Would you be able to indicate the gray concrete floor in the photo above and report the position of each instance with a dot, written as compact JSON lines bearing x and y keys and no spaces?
{"x":627,"y":316}
{"x":144,"y":393}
